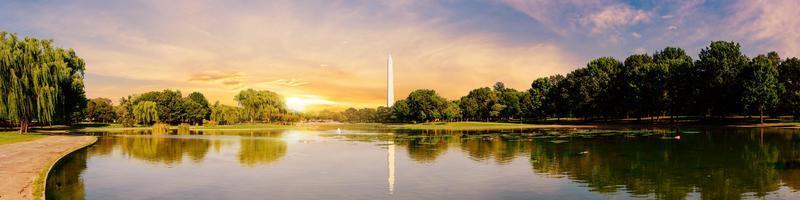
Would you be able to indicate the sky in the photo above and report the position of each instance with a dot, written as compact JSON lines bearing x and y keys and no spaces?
{"x":331,"y":54}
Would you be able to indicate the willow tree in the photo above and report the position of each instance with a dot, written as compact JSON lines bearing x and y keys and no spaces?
{"x":38,"y":82}
{"x":260,"y":104}
{"x":146,"y":112}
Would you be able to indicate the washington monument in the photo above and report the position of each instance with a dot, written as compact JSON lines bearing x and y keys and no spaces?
{"x":389,"y":82}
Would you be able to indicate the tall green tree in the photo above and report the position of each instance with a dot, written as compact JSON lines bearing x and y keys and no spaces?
{"x":511,"y":100}
{"x":39,"y":82}
{"x":193,"y":112}
{"x":538,"y":103}
{"x":225,"y":114}
{"x":760,"y":86}
{"x":400,"y":111}
{"x":260,"y":104}
{"x":789,"y":78}
{"x":718,"y":67}
{"x":426,"y":105}
{"x":632,"y":83}
{"x":452,"y":111}
{"x":169,"y":104}
{"x":100,"y":110}
{"x":682,"y":80}
{"x":146,"y":112}
{"x":199,"y":98}
{"x":124,"y":112}
{"x":478,"y":103}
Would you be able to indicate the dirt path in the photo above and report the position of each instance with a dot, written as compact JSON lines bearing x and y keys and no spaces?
{"x":21,"y":163}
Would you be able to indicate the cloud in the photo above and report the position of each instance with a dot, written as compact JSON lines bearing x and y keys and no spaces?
{"x":614,"y":17}
{"x":287,"y":83}
{"x":230,"y":79}
{"x":575,"y":16}
{"x":221,"y":47}
{"x":636,"y":35}
{"x":215,"y":75}
{"x":773,"y":22}
{"x":667,"y":17}
{"x":672,"y":27}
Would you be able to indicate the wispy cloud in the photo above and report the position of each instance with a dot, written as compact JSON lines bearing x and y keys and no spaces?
{"x":287,"y":83}
{"x":221,"y":47}
{"x":615,"y":16}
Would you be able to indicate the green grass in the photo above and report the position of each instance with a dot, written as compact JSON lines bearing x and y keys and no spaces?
{"x":471,"y":126}
{"x":14,"y":137}
{"x":333,"y":126}
{"x":254,"y":126}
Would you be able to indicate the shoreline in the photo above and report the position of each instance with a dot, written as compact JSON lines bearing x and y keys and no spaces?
{"x":26,"y":165}
{"x":455,"y":126}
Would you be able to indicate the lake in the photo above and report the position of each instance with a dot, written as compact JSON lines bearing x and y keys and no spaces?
{"x":704,"y":163}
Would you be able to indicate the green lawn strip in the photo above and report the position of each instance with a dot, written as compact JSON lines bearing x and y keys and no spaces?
{"x":14,"y":137}
{"x":466,"y":126}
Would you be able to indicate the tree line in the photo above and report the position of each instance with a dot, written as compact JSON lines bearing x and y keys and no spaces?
{"x":669,"y":83}
{"x":171,"y":107}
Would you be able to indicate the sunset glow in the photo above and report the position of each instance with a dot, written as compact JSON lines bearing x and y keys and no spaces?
{"x":336,"y":50}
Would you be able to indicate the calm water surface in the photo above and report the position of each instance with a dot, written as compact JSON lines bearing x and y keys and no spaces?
{"x":533,"y":164}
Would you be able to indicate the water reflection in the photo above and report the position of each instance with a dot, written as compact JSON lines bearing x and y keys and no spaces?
{"x":710,"y":164}
{"x":258,"y":151}
{"x":64,"y":181}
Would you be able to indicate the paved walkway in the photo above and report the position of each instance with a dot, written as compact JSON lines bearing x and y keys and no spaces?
{"x":21,"y":163}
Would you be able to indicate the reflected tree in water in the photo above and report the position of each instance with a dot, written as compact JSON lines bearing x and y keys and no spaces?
{"x":426,"y":148}
{"x":723,"y":168}
{"x":164,"y":150}
{"x":62,"y":183}
{"x":260,"y":151}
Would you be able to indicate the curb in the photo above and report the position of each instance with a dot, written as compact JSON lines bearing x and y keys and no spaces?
{"x":53,"y":164}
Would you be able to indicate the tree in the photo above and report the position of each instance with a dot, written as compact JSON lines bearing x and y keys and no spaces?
{"x":632,"y":82}
{"x":39,"y":82}
{"x":193,"y":112}
{"x":100,"y":109}
{"x":718,"y":67}
{"x":426,"y":105}
{"x":225,"y":114}
{"x":478,"y":103}
{"x":401,"y":111}
{"x":682,"y":81}
{"x":260,"y":104}
{"x":510,"y":99}
{"x":169,"y":105}
{"x":452,"y":111}
{"x":146,"y":112}
{"x":124,"y":112}
{"x":789,"y":78}
{"x":587,"y":90}
{"x":539,"y":101}
{"x":199,"y":98}
{"x":760,"y":87}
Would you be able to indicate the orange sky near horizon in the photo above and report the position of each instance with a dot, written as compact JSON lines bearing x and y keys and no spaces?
{"x":332,"y":54}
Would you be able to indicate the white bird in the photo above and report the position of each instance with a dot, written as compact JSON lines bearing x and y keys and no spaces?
{"x":338,"y":131}
{"x":678,"y":137}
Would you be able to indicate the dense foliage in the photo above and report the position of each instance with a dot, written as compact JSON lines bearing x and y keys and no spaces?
{"x":100,"y":110}
{"x":39,"y":82}
{"x":171,"y":107}
{"x":722,"y":82}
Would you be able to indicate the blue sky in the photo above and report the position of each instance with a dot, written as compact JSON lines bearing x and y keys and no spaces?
{"x":332,"y":53}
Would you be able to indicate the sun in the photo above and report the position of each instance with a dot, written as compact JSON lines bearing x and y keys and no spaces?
{"x":301,"y":103}
{"x":296,"y":104}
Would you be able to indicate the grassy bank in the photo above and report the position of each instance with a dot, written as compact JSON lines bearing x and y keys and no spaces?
{"x":14,"y":137}
{"x":479,"y":126}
